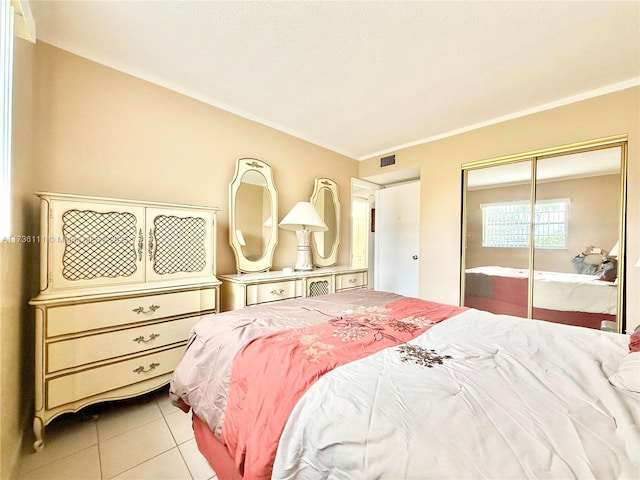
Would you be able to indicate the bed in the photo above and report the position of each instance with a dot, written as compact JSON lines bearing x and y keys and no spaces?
{"x":366,"y":384}
{"x":569,"y":298}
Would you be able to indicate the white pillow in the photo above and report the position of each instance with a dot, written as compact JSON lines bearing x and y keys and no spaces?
{"x":593,"y":259}
{"x":628,"y":375}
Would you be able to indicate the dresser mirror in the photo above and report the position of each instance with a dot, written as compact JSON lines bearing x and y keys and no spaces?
{"x":253,"y":216}
{"x":543,"y":235}
{"x":324,"y":244}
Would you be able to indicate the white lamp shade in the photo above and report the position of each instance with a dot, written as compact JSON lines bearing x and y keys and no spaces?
{"x":638,"y":264}
{"x":614,"y":251}
{"x":303,"y":216}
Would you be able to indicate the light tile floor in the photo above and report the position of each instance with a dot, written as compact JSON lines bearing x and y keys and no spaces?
{"x":146,"y":438}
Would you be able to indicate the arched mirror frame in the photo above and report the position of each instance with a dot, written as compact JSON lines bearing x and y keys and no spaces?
{"x":264,"y":263}
{"x":608,"y":142}
{"x":326,"y":186}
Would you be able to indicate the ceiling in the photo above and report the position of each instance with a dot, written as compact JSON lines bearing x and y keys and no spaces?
{"x":592,"y":163}
{"x":361,"y":78}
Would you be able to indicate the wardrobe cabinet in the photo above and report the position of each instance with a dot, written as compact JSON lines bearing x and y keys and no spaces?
{"x":95,"y":245}
{"x":121,"y":284}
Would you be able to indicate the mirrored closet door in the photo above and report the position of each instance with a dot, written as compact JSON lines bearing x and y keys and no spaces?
{"x":543,"y":235}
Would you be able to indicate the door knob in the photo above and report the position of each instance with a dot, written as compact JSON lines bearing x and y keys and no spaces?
{"x":415,"y":257}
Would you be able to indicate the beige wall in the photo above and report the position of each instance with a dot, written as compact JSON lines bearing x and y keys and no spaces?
{"x":440,"y":161}
{"x":17,"y":278}
{"x":95,"y":131}
{"x":593,"y":221}
{"x":101,"y":132}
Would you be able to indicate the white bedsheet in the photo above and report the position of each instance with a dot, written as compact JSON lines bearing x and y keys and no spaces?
{"x":574,"y":292}
{"x":567,"y":292}
{"x":518,"y":399}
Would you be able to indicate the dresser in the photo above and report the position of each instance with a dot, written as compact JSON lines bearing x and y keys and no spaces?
{"x":246,"y":289}
{"x":121,"y":284}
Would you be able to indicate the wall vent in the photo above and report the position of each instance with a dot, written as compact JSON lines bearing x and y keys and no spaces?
{"x":388,"y":160}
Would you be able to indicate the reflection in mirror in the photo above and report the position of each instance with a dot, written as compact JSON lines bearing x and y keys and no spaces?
{"x":577,"y":206}
{"x":570,"y":242}
{"x":253,"y":224}
{"x":325,"y":240}
{"x":253,"y":206}
{"x":325,"y":244}
{"x":497,"y":204}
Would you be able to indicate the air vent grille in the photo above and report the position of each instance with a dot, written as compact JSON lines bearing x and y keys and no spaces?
{"x":388,"y":160}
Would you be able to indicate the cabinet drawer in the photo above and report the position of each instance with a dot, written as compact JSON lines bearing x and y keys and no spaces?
{"x":346,"y":281}
{"x":80,"y":385}
{"x":104,"y":346}
{"x":82,"y":317}
{"x":271,"y":292}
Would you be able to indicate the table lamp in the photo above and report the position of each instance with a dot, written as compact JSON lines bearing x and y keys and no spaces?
{"x":303,"y":219}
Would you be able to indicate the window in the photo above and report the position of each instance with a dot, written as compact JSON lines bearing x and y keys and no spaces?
{"x":6,"y":80}
{"x":507,"y":225}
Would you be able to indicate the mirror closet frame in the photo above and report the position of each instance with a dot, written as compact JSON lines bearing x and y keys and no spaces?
{"x":534,"y":157}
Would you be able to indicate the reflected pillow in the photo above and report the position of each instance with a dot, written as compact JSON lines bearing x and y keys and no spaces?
{"x":609,"y":276}
{"x":628,"y":374}
{"x":593,"y":259}
{"x":634,"y":341}
{"x":608,"y":270}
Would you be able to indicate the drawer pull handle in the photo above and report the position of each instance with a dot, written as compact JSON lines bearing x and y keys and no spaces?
{"x":353,"y":280}
{"x":141,"y":369}
{"x":140,"y":310}
{"x":277,"y":292}
{"x":141,"y":339}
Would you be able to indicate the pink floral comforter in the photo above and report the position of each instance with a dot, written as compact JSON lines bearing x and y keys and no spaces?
{"x":273,"y":371}
{"x":201,"y":380}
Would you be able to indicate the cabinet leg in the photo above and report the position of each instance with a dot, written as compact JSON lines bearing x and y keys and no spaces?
{"x":38,"y":430}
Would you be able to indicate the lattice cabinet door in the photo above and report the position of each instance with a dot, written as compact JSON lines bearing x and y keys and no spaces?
{"x":94,"y":244}
{"x":180,"y":244}
{"x":316,"y":286}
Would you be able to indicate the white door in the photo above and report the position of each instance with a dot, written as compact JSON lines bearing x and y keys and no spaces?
{"x":359,"y":233}
{"x":398,"y":239}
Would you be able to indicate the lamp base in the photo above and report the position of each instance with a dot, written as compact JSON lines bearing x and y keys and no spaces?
{"x":304,"y":269}
{"x":304,"y":263}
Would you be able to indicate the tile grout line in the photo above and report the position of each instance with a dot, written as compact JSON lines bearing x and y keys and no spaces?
{"x":186,"y":464}
{"x":178,"y":444}
{"x":148,"y":459}
{"x":175,"y":440}
{"x":99,"y":441}
{"x":99,"y":449}
{"x":23,"y":453}
{"x":103,"y":440}
{"x":141,"y":463}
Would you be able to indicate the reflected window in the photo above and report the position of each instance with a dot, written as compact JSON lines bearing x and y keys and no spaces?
{"x":507,"y":224}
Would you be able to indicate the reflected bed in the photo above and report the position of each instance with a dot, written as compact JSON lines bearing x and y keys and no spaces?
{"x":368,"y":384}
{"x":569,"y":298}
